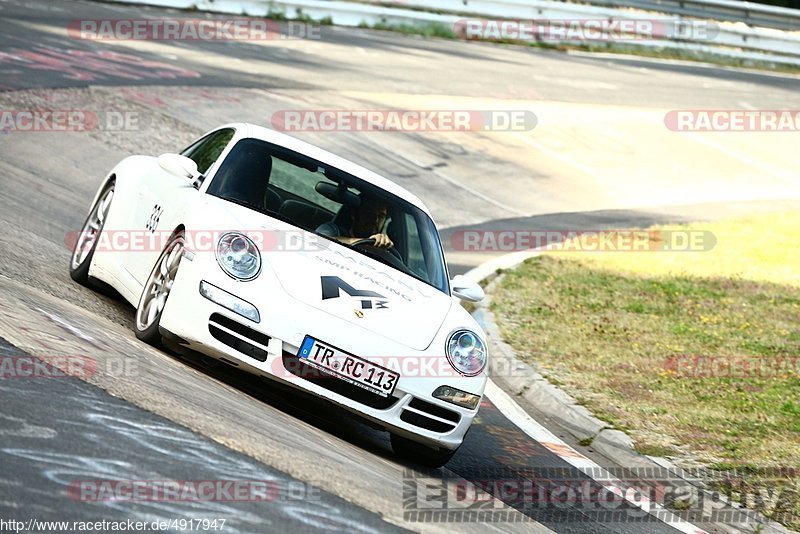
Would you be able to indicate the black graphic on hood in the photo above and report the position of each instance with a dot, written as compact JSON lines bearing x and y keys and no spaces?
{"x":332,"y":284}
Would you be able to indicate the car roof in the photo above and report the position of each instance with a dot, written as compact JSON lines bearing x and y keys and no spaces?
{"x":302,"y":147}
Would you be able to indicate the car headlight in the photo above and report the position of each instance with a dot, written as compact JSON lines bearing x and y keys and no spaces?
{"x":238,"y":256}
{"x":466,"y":352}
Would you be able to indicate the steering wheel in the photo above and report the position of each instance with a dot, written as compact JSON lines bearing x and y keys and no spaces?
{"x":369,"y":242}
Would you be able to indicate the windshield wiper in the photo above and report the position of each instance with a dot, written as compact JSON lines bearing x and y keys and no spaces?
{"x":246,"y":204}
{"x":396,"y":263}
{"x":262,"y":210}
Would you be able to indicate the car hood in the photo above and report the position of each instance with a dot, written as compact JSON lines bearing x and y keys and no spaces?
{"x":352,"y":287}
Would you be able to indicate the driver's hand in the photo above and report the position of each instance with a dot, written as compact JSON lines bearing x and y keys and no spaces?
{"x":382,"y":240}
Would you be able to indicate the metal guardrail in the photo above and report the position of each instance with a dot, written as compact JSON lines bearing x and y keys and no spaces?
{"x":760,"y":15}
{"x":731,"y":40}
{"x":735,"y":36}
{"x":752,"y":14}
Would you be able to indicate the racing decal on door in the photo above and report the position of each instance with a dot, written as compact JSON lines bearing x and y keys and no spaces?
{"x":155,"y":216}
{"x":369,"y":299}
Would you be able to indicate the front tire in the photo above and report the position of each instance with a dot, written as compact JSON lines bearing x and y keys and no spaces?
{"x":420,"y":454}
{"x":156,"y":291}
{"x":85,"y":245}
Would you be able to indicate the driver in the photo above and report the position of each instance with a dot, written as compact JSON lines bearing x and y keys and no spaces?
{"x":365,"y":222}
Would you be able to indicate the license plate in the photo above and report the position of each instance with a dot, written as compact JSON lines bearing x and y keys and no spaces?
{"x":357,"y":371}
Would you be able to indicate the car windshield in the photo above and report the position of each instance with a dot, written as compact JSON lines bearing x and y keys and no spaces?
{"x":333,"y":204}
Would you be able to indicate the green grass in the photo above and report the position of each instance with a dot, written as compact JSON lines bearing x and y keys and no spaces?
{"x":761,"y":249}
{"x":654,"y":450}
{"x":426,"y":30}
{"x":610,"y":327}
{"x":299,"y":16}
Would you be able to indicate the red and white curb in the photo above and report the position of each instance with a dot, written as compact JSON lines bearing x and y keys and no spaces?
{"x":558,"y":447}
{"x":527,"y":424}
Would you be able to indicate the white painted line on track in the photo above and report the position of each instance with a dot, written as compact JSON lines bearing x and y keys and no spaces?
{"x":767,"y":169}
{"x":557,"y":446}
{"x":470,"y":190}
{"x":67,"y":326}
{"x":560,"y":157}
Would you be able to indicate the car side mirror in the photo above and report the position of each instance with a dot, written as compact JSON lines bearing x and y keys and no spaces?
{"x":466,"y":289}
{"x":180,"y":166}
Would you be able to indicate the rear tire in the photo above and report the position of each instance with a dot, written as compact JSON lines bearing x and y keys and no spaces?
{"x":86,"y":243}
{"x":156,"y":291}
{"x":420,"y":454}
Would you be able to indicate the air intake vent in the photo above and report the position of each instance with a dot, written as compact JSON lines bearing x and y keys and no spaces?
{"x":239,"y":337}
{"x":432,"y":409}
{"x":429,"y":416}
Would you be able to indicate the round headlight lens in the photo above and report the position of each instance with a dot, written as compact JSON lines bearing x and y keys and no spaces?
{"x":238,"y":256}
{"x":466,"y":352}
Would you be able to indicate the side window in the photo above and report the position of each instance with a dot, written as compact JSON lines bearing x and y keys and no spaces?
{"x":206,"y":151}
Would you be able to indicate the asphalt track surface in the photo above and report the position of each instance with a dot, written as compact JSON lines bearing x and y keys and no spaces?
{"x":167,"y":418}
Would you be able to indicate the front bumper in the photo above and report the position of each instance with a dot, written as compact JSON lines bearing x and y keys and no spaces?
{"x":269,"y":349}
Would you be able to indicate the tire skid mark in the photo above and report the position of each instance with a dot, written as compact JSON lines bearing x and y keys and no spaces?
{"x":92,"y":66}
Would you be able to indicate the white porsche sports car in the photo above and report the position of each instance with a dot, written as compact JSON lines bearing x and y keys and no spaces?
{"x":289,"y":262}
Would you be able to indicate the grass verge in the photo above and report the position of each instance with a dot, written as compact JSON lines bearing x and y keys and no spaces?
{"x":694,"y":354}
